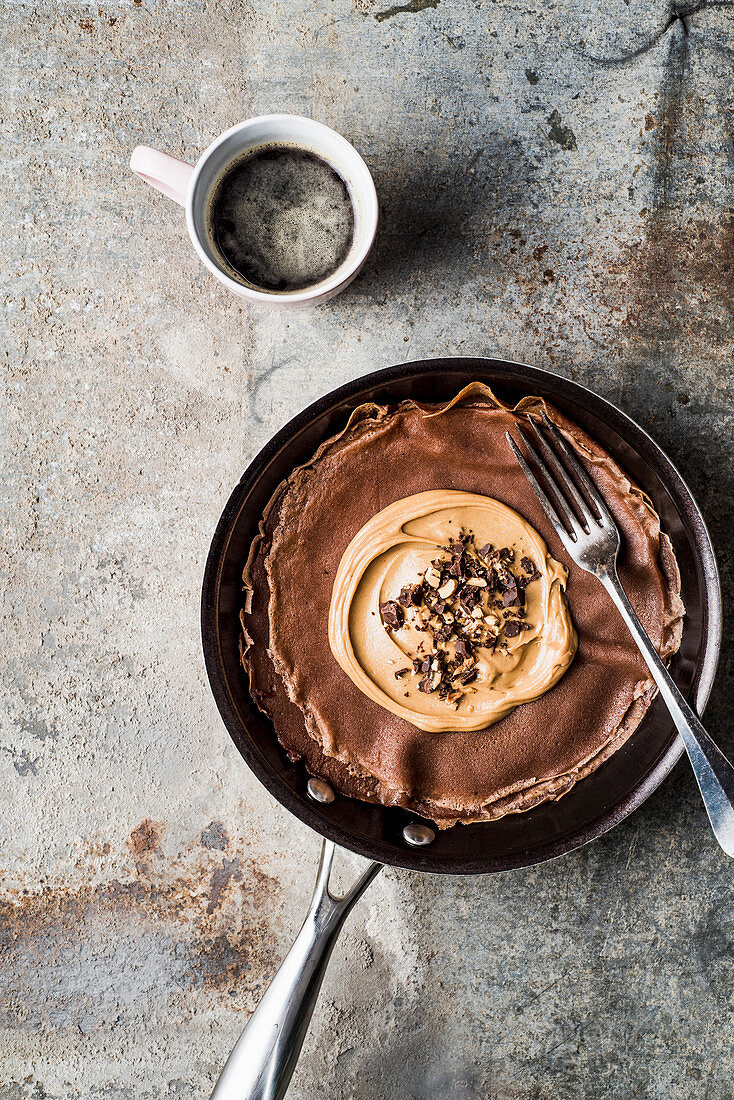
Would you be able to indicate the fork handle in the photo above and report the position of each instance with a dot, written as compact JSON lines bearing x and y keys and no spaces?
{"x":714,"y":774}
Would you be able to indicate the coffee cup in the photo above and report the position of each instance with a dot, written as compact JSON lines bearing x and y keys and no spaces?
{"x":195,"y":187}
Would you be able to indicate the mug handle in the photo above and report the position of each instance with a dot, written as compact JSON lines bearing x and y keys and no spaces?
{"x":166,"y":174}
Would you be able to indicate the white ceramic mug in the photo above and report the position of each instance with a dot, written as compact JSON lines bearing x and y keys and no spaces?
{"x":191,"y":186}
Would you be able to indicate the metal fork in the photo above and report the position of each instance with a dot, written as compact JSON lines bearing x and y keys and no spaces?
{"x":590,"y":536}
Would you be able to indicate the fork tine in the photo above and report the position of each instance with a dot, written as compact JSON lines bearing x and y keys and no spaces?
{"x":573,"y":497}
{"x":594,"y":495}
{"x":540,"y":493}
{"x":568,"y":517}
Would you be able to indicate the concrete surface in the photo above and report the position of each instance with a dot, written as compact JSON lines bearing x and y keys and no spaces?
{"x":556,"y":182}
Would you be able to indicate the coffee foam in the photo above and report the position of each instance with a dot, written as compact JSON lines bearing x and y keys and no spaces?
{"x":281,"y":218}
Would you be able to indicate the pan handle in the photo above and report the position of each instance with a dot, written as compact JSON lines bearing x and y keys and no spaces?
{"x":263,"y":1060}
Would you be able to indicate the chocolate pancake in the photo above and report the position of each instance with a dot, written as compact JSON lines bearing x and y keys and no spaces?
{"x":542,"y":748}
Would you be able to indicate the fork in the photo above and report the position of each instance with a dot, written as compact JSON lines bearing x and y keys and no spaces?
{"x":591,"y":538}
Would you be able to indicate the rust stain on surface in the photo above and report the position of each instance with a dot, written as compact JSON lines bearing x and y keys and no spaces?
{"x":146,"y":837}
{"x":202,"y":925}
{"x":230,"y":871}
{"x":682,"y":278}
{"x":87,"y":24}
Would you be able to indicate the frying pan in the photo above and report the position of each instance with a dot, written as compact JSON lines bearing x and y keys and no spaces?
{"x":263,"y":1060}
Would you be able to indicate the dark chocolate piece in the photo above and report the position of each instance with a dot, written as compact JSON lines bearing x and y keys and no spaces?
{"x":392,"y":614}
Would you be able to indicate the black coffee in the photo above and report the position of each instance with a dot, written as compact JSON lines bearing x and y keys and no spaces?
{"x":282,"y":218}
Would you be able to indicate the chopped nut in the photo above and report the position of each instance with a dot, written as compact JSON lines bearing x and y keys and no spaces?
{"x":433,"y":577}
{"x":477,"y":613}
{"x":477,"y":582}
{"x":448,"y":589}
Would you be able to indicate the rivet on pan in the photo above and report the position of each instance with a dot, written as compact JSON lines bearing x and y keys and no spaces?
{"x":319,"y":791}
{"x":418,"y":835}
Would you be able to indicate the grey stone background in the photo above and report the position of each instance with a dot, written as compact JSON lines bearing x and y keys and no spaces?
{"x":556,"y":186}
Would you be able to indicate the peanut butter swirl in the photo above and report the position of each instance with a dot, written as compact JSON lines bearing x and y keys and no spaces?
{"x":483,"y":638}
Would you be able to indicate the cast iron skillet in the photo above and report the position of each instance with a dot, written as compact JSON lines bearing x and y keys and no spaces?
{"x":263,"y":1060}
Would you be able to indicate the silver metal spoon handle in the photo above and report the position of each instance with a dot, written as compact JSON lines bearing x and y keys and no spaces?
{"x":263,"y":1060}
{"x":714,"y":774}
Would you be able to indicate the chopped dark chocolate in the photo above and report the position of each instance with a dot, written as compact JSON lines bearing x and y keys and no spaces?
{"x":410,"y":594}
{"x":400,"y":672}
{"x":456,"y":567}
{"x":505,"y":580}
{"x":512,"y":628}
{"x":392,"y":614}
{"x":469,"y":597}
